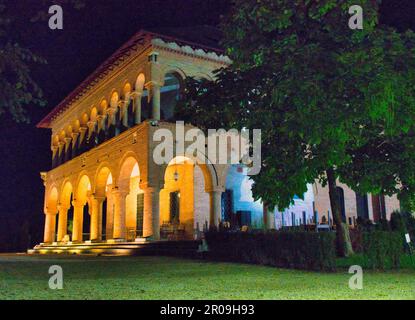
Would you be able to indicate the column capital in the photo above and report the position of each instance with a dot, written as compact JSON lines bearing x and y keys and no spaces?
{"x":62,"y":207}
{"x":50,"y":211}
{"x":115,"y":191}
{"x":76,"y":203}
{"x":111,"y":111}
{"x":91,"y":125}
{"x":153,"y":84}
{"x":83,"y":129}
{"x":101,"y":117}
{"x":136,"y":94}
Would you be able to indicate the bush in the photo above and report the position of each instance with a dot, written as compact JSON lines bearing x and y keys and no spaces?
{"x":383,"y":249}
{"x":356,"y":238}
{"x":299,"y":250}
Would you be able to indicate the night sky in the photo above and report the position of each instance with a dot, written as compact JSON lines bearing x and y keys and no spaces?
{"x":90,"y":35}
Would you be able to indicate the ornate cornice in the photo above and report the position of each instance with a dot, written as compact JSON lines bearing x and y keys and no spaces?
{"x":140,"y":42}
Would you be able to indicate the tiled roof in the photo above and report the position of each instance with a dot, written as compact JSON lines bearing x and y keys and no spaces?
{"x":203,"y":37}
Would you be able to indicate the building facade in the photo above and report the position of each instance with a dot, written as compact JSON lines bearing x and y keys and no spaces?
{"x":104,"y":184}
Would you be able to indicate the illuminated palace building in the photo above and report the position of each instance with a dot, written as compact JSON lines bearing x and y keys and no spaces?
{"x":104,"y":186}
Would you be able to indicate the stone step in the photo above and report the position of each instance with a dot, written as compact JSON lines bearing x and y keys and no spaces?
{"x":175,"y":248}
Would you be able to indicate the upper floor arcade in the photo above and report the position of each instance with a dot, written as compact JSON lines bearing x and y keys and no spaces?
{"x":140,"y":81}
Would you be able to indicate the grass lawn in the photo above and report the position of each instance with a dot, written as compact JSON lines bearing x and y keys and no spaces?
{"x":26,"y":277}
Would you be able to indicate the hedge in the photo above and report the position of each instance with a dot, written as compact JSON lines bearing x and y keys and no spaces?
{"x":383,"y":249}
{"x":298,"y":250}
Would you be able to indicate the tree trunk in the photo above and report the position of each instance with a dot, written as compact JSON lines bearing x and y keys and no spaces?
{"x":343,"y":244}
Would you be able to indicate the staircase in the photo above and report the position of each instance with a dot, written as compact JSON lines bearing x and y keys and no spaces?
{"x":185,"y":248}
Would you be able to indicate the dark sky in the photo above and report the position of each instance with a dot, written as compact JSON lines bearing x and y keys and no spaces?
{"x":90,"y":36}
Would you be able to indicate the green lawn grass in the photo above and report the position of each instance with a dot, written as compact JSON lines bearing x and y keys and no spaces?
{"x":26,"y":277}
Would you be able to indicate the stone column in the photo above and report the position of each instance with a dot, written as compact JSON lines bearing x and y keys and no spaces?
{"x":91,"y":128}
{"x":62,"y":222}
{"x":124,"y":112}
{"x":74,"y":139}
{"x":155,"y":89}
{"x":68,"y":141}
{"x":151,"y":221}
{"x":50,"y":225}
{"x":78,"y":218}
{"x":96,"y":218}
{"x":111,"y":114}
{"x":119,"y":213}
{"x":110,"y":214}
{"x":82,"y":134}
{"x":216,"y":213}
{"x":137,"y":107}
{"x":101,"y":122}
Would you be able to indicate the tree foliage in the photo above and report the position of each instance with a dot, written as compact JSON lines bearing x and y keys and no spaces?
{"x":332,"y":102}
{"x":18,"y":87}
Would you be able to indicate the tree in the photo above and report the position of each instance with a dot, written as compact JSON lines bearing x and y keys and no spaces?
{"x":328,"y":99}
{"x":18,"y":88}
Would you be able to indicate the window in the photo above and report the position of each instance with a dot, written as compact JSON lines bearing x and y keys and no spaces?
{"x":362,"y":206}
{"x":175,"y":207}
{"x":170,"y":94}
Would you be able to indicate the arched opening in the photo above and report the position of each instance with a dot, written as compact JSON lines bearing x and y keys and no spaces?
{"x":129,"y":182}
{"x":113,"y":119}
{"x":65,"y":225}
{"x":50,"y":216}
{"x":239,"y":206}
{"x":169,"y":95}
{"x":128,"y":116}
{"x":185,"y":200}
{"x":103,"y":187}
{"x":83,"y":221}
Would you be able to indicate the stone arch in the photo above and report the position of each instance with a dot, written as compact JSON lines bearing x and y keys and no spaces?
{"x":128,"y":183}
{"x":66,"y":194}
{"x":102,"y":107}
{"x":52,"y":200}
{"x":83,"y":186}
{"x":126,"y":167}
{"x":55,"y":140}
{"x":102,"y":175}
{"x":174,"y":70}
{"x":126,"y":90}
{"x":139,"y":82}
{"x":83,"y":120}
{"x":76,"y":124}
{"x":185,"y":198}
{"x":114,"y":99}
{"x":93,"y":114}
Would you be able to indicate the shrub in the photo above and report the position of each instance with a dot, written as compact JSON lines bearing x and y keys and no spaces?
{"x":356,"y":238}
{"x":383,"y":249}
{"x":397,"y":222}
{"x":299,"y":250}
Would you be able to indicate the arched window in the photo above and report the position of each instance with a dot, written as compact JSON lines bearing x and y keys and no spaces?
{"x":170,"y":94}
